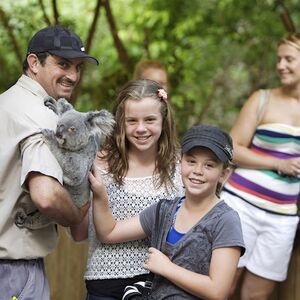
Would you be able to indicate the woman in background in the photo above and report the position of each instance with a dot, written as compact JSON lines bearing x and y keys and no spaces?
{"x":264,"y":188}
{"x":153,"y":70}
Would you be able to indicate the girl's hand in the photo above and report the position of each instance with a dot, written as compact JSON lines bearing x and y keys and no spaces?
{"x":156,"y":261}
{"x":96,"y":182}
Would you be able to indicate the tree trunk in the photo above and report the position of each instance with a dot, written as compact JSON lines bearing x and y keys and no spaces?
{"x":55,"y":12}
{"x":88,"y":46}
{"x":122,"y":53}
{"x":47,"y":20}
{"x":10,"y":32}
{"x":286,"y":17}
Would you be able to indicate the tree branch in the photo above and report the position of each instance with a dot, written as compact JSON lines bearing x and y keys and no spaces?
{"x":122,"y":53}
{"x":286,"y":17}
{"x":88,"y":46}
{"x":92,"y":30}
{"x":9,"y":29}
{"x":217,"y":81}
{"x":146,"y":41}
{"x":47,"y":20}
{"x":55,"y":12}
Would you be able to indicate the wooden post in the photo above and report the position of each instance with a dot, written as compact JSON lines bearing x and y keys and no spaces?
{"x":65,"y":268}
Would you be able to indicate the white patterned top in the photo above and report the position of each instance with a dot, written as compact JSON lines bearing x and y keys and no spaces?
{"x":125,"y":260}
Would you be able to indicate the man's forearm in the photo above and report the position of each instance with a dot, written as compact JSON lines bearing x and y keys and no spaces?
{"x":53,"y":200}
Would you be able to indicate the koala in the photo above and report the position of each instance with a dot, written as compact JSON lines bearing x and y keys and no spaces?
{"x":75,"y":143}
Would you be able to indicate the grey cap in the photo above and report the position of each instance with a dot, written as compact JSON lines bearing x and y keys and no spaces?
{"x":211,"y":137}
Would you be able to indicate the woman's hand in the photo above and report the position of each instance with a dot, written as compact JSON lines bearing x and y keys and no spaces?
{"x":289,"y":167}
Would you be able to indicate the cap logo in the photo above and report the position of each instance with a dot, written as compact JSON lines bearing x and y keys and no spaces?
{"x":228,"y":149}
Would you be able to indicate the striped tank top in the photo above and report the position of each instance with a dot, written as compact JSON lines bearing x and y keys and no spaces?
{"x":267,"y":189}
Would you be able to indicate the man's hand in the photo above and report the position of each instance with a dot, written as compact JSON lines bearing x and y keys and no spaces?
{"x":82,"y":211}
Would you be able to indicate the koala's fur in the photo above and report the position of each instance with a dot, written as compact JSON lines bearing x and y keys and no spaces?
{"x":75,"y":143}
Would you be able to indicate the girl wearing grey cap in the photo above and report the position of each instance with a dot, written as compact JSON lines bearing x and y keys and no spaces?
{"x":200,"y":235}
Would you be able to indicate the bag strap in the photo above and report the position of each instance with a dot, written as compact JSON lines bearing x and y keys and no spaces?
{"x":158,"y":225}
{"x":157,"y":243}
{"x":263,"y":101}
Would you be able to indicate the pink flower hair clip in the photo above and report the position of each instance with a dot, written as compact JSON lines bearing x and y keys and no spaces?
{"x":162,"y":94}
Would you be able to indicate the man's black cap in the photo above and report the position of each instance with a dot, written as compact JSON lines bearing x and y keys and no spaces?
{"x":211,"y":137}
{"x":59,"y":41}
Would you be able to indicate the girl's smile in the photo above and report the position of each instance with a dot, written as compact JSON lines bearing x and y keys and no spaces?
{"x":143,"y":124}
{"x":201,"y":172}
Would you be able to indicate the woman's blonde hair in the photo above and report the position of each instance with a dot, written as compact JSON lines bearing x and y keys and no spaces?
{"x":292,"y":39}
{"x":116,"y":147}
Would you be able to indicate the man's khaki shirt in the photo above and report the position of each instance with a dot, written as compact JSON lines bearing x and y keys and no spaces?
{"x":22,"y":150}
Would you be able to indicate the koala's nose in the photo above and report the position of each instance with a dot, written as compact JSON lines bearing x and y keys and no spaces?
{"x":59,"y":131}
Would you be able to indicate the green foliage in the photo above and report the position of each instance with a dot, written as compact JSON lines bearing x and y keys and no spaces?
{"x":216,"y":51}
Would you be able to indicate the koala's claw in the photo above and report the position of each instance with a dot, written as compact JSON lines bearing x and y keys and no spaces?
{"x":20,"y":218}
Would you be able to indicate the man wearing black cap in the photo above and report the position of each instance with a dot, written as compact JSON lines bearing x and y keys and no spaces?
{"x":54,"y":59}
{"x":30,"y":176}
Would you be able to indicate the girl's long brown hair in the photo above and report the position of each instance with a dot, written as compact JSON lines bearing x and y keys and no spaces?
{"x":116,"y":146}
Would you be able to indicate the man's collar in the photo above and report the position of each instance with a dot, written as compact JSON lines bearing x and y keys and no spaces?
{"x":32,"y":86}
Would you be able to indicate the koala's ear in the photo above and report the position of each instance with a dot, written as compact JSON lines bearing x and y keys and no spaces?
{"x":101,"y":124}
{"x":63,"y":105}
{"x":50,"y":103}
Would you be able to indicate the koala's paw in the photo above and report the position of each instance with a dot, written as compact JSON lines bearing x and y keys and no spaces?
{"x":47,"y":133}
{"x":51,"y":103}
{"x":20,"y":218}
